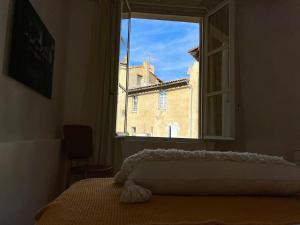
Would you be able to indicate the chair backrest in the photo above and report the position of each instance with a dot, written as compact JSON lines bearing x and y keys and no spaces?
{"x":78,"y":141}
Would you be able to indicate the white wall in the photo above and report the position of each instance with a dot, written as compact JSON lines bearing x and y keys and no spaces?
{"x":268,"y":37}
{"x":268,"y":86}
{"x":30,"y":174}
{"x":78,"y":55}
{"x":30,"y":158}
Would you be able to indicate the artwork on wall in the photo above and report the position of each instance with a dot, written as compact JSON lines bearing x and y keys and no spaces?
{"x":32,"y":49}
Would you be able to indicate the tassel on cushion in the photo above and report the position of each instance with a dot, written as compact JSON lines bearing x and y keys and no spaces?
{"x":133,"y":193}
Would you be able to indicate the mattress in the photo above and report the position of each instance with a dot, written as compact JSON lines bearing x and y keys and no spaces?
{"x":96,"y":202}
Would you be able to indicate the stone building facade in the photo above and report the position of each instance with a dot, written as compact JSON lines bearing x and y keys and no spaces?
{"x":156,"y":108}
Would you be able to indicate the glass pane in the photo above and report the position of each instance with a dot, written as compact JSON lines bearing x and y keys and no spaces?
{"x":218,"y":105}
{"x":122,"y":93}
{"x":214,"y":115}
{"x":218,"y":29}
{"x":218,"y":71}
{"x":124,"y":40}
{"x":214,"y":77}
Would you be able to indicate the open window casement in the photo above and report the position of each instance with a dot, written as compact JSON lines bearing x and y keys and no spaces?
{"x":216,"y":58}
{"x":218,"y":76}
{"x":124,"y":58}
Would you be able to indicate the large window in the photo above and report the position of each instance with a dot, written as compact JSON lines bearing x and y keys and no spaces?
{"x":176,"y":77}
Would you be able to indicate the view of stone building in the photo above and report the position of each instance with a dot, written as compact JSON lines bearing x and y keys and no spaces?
{"x":156,"y":108}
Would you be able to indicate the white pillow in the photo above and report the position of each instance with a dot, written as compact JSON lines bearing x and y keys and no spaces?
{"x":206,"y":173}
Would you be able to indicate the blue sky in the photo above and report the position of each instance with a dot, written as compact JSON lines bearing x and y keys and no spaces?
{"x":165,"y":42}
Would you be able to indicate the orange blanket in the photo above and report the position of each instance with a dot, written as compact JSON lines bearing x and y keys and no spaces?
{"x":96,"y":202}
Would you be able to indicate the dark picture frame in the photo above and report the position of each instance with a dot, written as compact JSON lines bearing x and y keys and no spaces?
{"x":32,"y":49}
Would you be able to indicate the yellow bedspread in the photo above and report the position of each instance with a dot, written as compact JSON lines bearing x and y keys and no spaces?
{"x":96,"y":202}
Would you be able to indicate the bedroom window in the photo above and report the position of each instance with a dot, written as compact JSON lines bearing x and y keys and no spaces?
{"x":188,"y":57}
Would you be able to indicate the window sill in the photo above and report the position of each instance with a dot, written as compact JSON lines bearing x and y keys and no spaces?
{"x":158,"y":139}
{"x":166,"y":139}
{"x":218,"y":138}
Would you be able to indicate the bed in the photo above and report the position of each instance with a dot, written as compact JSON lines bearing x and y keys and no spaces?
{"x":97,"y":202}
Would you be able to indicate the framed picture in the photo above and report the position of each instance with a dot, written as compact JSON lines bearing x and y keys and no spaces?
{"x":32,"y":49}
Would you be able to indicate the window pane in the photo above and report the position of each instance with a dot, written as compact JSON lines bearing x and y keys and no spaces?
{"x":124,"y":41}
{"x":162,"y":100}
{"x":214,"y":115}
{"x":218,"y":108}
{"x":135,"y":104}
{"x":214,"y":77}
{"x":218,"y":71}
{"x":218,"y":29}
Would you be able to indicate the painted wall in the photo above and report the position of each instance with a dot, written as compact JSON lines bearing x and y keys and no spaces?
{"x":78,"y":55}
{"x":193,"y":73}
{"x":30,"y":174}
{"x":150,"y":120}
{"x":267,"y":117}
{"x":30,"y":166}
{"x":268,"y":53}
{"x":147,"y":78}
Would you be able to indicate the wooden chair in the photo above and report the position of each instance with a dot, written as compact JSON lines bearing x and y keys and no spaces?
{"x":78,"y":146}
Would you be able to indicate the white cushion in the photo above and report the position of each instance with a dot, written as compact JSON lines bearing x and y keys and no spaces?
{"x":191,"y":177}
{"x":207,"y":173}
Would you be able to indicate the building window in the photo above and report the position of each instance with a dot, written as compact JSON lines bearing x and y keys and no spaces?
{"x":162,"y":105}
{"x":133,"y":131}
{"x":139,"y":80}
{"x":134,"y":104}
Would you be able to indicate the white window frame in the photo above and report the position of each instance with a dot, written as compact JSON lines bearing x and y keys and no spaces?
{"x":230,"y":92}
{"x":135,"y":102}
{"x":202,"y":20}
{"x":162,"y":100}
